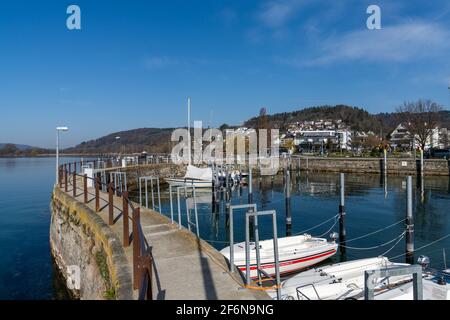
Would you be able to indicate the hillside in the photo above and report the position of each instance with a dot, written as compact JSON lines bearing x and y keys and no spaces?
{"x":157,"y":140}
{"x":20,"y":147}
{"x":137,"y":140}
{"x":357,"y":118}
{"x":11,"y":149}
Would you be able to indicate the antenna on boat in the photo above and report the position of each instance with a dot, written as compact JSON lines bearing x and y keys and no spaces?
{"x":445,"y":259}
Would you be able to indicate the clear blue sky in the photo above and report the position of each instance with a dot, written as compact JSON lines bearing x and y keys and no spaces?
{"x":134,"y":63}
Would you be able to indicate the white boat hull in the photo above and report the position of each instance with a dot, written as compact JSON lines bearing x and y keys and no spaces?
{"x":181,"y":182}
{"x":432,"y":290}
{"x":336,"y":282}
{"x":293,"y":256}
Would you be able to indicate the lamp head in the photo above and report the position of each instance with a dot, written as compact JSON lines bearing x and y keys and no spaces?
{"x":62,"y":128}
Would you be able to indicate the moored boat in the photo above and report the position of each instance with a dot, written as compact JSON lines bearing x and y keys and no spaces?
{"x":295,"y":253}
{"x":435,"y":285}
{"x":197,"y":177}
{"x":338,"y":281}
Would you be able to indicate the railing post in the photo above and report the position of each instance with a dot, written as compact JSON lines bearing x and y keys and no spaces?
{"x":150,"y":278}
{"x":60,"y":177}
{"x":85,"y":188}
{"x":74,"y":184}
{"x":70,"y":167}
{"x":75,"y":167}
{"x":65,"y":180}
{"x":136,"y":248}
{"x":97,"y":195}
{"x":126,"y":229}
{"x":111,"y":204}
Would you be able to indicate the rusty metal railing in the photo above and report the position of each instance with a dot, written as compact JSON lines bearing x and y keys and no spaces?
{"x":142,"y":255}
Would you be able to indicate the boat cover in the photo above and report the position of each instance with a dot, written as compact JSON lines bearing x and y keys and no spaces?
{"x":198,"y":173}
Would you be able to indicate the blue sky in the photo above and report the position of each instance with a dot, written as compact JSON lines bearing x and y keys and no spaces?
{"x":134,"y":63}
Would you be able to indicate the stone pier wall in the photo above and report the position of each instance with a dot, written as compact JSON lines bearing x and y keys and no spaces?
{"x":407,"y":166}
{"x":161,"y":170}
{"x":80,"y":238}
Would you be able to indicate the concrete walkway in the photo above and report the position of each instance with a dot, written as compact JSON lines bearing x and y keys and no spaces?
{"x":185,"y":267}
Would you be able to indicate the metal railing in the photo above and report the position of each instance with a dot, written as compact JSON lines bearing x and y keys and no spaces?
{"x":142,"y":256}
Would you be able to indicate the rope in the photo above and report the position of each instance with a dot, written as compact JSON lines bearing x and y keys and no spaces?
{"x":375,"y":247}
{"x":422,"y":247}
{"x":377,"y":231}
{"x":399,"y":239}
{"x":321,"y":224}
{"x":329,"y":230}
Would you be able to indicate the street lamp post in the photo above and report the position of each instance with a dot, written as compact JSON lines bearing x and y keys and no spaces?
{"x":118,"y":149}
{"x":58,"y":129}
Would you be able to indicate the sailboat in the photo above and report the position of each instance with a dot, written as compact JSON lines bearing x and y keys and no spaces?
{"x":197,"y":177}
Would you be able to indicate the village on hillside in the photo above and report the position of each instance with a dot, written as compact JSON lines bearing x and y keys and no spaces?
{"x":335,"y":136}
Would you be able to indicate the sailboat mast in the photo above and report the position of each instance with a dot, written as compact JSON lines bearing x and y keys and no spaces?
{"x":189,"y":129}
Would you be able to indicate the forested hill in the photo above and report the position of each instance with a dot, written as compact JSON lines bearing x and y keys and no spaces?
{"x":157,"y":140}
{"x":153,"y":140}
{"x":357,"y":118}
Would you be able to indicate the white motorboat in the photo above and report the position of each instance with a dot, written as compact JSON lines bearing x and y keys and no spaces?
{"x":295,"y":253}
{"x":197,"y":177}
{"x":338,"y":281}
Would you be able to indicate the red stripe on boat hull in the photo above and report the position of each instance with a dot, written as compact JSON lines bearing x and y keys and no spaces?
{"x":291,"y":262}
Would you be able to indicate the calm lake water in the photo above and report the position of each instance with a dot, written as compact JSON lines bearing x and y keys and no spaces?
{"x":26,"y":268}
{"x":370,"y":205}
{"x":27,"y":271}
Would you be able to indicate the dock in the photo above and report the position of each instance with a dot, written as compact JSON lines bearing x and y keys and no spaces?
{"x":184,"y":266}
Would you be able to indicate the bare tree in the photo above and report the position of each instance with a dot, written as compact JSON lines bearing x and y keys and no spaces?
{"x":420,"y":118}
{"x":263,"y":121}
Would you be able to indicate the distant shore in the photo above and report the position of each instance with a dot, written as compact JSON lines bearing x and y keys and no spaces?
{"x":47,"y":155}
